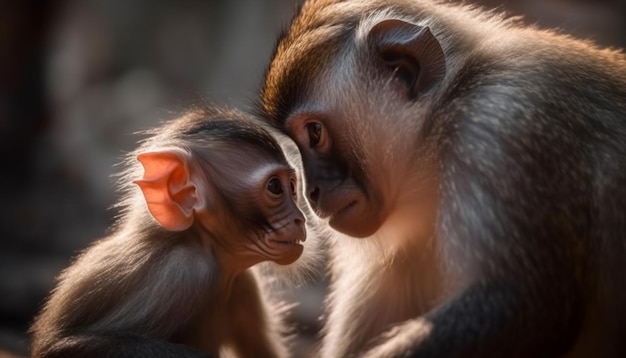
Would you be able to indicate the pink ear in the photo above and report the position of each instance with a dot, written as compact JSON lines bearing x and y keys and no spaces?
{"x":169,"y":193}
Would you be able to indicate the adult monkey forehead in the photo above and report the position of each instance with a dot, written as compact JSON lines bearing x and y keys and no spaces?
{"x":484,"y":163}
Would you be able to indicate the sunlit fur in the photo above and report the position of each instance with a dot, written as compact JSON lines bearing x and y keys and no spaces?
{"x":310,"y":265}
{"x":143,"y":288}
{"x":503,"y":187}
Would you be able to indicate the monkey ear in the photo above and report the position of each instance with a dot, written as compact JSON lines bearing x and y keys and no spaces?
{"x":169,"y":193}
{"x":412,"y":51}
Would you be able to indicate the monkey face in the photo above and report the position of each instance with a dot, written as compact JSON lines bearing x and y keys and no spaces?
{"x":338,"y":187}
{"x":265,"y":223}
{"x":357,"y":116}
{"x":283,"y":242}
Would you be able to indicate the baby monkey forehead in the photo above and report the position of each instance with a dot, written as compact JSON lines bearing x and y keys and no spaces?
{"x":254,"y":154}
{"x":261,"y":172}
{"x":237,"y":161}
{"x":212,"y":126}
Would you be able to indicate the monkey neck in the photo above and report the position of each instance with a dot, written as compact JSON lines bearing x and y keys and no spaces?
{"x":412,"y":220}
{"x":230,"y":262}
{"x":224,"y":285}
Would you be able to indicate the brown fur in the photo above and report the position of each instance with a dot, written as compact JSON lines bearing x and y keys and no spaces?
{"x":148,"y":292}
{"x":500,"y":192}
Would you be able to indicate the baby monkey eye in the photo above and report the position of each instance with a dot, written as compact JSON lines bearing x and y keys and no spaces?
{"x":315,"y":133}
{"x":274,"y":186}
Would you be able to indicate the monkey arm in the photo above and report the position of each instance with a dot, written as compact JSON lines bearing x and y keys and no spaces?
{"x":515,"y":257}
{"x":482,"y":321}
{"x":505,"y":313}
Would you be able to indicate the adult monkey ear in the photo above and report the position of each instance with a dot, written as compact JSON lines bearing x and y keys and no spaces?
{"x":167,"y":187}
{"x":412,"y":51}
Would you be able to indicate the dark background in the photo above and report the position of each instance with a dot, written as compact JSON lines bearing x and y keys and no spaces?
{"x":78,"y":78}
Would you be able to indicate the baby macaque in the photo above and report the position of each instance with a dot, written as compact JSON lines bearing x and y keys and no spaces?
{"x":206,"y":197}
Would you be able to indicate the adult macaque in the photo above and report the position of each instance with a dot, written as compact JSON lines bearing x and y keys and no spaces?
{"x":214,"y":195}
{"x":483,"y":161}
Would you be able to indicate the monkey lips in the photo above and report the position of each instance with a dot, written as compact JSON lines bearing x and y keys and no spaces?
{"x":349,"y":212}
{"x":285,"y":245}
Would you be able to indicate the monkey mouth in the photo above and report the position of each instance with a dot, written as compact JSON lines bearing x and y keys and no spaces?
{"x":285,"y":252}
{"x":288,"y":242}
{"x":356,"y":219}
{"x":343,"y":210}
{"x":326,"y":212}
{"x":296,"y":239}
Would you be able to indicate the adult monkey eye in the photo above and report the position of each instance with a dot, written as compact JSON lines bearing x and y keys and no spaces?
{"x":274,"y":186}
{"x":315,"y":133}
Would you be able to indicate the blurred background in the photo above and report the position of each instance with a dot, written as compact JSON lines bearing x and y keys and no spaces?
{"x":79,"y":78}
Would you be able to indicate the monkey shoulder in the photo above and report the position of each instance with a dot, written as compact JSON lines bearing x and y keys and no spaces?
{"x":118,"y":283}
